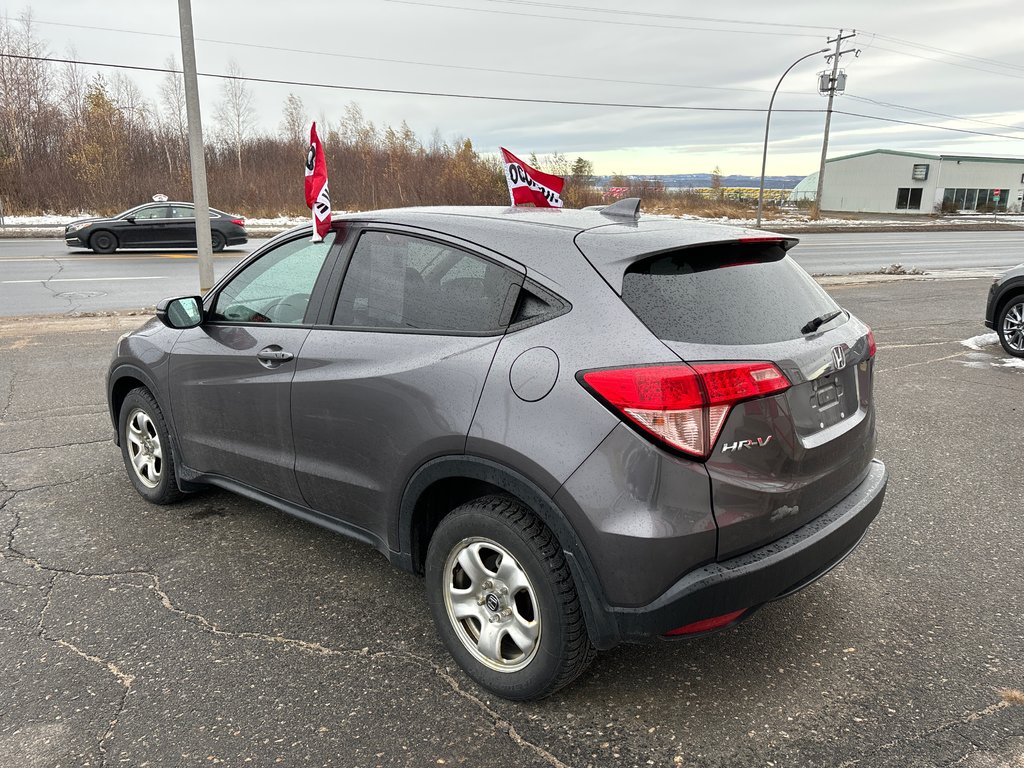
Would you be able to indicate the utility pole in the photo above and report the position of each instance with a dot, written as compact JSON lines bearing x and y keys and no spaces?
{"x":197,"y":155}
{"x":816,"y":211}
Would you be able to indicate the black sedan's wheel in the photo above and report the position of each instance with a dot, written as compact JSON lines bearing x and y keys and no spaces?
{"x":219,"y":241}
{"x":1010,"y":326}
{"x":103,"y":242}
{"x":146,"y":448}
{"x":504,"y":601}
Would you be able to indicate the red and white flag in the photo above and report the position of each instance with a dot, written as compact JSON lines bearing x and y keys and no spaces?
{"x":528,"y":185}
{"x":318,"y":196}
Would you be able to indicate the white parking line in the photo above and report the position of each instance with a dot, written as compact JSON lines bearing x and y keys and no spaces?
{"x":84,"y":279}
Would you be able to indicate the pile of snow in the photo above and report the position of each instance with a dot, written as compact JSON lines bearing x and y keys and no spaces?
{"x":977,"y":343}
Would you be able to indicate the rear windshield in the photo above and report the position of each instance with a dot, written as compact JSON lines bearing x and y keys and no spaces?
{"x":734,"y":293}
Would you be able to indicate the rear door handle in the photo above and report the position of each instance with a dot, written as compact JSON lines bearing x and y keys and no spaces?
{"x":273,"y":356}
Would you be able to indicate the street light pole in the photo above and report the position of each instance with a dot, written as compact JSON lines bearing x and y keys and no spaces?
{"x":767,"y":123}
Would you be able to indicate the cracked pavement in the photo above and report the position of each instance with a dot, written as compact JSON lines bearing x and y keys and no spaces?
{"x":220,"y":631}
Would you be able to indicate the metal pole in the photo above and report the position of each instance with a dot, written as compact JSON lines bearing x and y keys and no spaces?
{"x":195,"y":147}
{"x":767,"y":122}
{"x":816,"y":212}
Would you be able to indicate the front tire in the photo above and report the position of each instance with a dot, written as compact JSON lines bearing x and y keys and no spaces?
{"x":1010,"y":326}
{"x":146,"y":448}
{"x":504,"y":601}
{"x":103,"y":242}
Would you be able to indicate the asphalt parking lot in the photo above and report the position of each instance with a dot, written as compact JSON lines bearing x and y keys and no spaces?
{"x":220,"y":631}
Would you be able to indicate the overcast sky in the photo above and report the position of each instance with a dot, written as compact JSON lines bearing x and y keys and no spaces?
{"x":574,"y":49}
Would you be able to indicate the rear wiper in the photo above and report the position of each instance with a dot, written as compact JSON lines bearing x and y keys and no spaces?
{"x":820,"y":320}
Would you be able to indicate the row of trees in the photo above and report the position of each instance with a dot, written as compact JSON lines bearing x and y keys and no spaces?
{"x":71,"y":141}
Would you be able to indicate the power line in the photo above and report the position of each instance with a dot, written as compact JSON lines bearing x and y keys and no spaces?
{"x":933,"y":114}
{"x":949,"y":63}
{"x":402,"y":91}
{"x":948,"y":52}
{"x":483,"y":97}
{"x":614,"y":22}
{"x":379,"y":59}
{"x":567,"y":7}
{"x":526,"y":73}
{"x":927,"y":125}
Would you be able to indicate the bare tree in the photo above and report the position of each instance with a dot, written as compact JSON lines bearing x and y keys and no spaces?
{"x":235,"y":111}
{"x":294,"y":121}
{"x":172,"y":98}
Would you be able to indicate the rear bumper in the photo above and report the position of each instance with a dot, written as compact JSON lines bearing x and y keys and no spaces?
{"x":762,"y":575}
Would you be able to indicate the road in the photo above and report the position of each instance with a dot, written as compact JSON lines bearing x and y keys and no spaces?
{"x":44,"y":277}
{"x":219,"y":631}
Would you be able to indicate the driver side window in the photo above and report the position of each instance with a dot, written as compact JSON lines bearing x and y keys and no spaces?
{"x":153,"y":212}
{"x":276,"y":287}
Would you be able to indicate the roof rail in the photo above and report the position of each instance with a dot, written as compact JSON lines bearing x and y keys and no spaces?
{"x":626,"y":208}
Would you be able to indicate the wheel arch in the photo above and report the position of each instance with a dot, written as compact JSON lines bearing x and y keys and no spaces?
{"x":1009,"y":293}
{"x":121,"y":381}
{"x":444,"y":483}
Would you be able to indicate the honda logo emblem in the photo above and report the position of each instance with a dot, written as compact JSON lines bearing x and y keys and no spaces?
{"x":838,"y":357}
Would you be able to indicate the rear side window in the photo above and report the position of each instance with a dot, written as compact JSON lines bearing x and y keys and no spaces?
{"x":399,"y":282}
{"x":733,"y":293}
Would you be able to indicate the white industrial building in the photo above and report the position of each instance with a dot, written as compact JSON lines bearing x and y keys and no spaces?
{"x":885,"y":181}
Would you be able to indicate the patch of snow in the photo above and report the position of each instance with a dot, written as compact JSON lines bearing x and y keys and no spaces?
{"x":979,"y":342}
{"x":48,"y":220}
{"x":1010,"y":362}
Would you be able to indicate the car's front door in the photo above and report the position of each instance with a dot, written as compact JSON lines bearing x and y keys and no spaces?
{"x":149,"y":227}
{"x":230,"y":379}
{"x":392,"y":374}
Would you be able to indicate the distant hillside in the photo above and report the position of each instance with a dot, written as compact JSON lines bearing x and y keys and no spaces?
{"x":698,"y":180}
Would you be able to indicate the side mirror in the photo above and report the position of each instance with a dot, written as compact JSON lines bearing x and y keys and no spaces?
{"x":183,"y":312}
{"x":130,"y":219}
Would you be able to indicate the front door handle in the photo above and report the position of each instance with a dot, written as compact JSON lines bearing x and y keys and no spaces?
{"x":273,"y":356}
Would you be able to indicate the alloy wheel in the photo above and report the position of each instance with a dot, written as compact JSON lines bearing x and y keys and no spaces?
{"x":1013,"y":327}
{"x":144,"y":448}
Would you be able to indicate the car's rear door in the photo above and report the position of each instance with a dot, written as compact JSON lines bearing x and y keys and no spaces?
{"x":392,"y":374}
{"x":230,"y":379}
{"x":181,"y":226}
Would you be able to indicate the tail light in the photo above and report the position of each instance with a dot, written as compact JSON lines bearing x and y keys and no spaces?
{"x":684,"y":406}
{"x":238,"y":222}
{"x":872,"y":348}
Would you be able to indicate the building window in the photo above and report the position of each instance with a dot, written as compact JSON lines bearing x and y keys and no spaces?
{"x":920,"y":172}
{"x":985,"y":200}
{"x":908,"y":198}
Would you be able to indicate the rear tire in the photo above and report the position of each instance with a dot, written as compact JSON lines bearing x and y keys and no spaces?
{"x":146,"y":448}
{"x":103,"y":242}
{"x":1010,"y":326}
{"x":504,"y":601}
{"x":219,"y":241}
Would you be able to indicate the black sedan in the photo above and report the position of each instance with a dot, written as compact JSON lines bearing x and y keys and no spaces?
{"x":154,"y":225}
{"x":1004,"y":312}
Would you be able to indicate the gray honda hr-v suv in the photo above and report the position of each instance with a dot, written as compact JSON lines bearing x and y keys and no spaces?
{"x":583,"y":427}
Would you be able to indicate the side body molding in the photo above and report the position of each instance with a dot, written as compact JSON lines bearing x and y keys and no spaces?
{"x":600,"y":626}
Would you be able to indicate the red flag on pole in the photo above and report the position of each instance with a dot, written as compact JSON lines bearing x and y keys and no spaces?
{"x":528,"y":185}
{"x":318,"y":196}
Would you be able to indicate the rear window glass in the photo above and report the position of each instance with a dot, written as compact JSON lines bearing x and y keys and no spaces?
{"x":399,"y":282}
{"x":738,"y":293}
